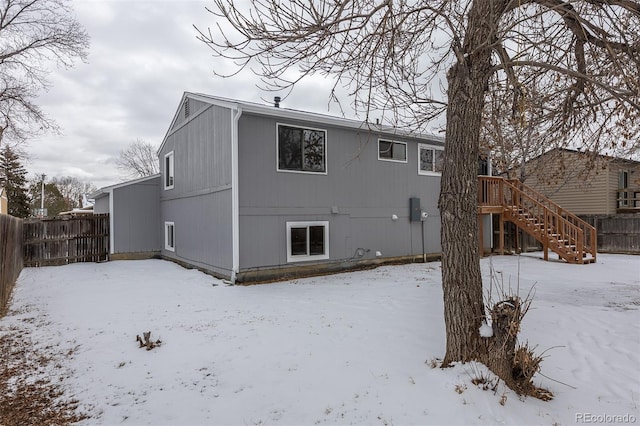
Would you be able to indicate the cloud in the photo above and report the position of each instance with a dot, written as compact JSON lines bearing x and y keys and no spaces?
{"x":143,"y":56}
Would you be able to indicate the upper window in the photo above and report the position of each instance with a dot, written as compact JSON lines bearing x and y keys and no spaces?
{"x":623,"y":188}
{"x":430,"y":159}
{"x":392,"y":151}
{"x":168,"y":170}
{"x":169,"y":236}
{"x":307,"y":241}
{"x":301,"y":149}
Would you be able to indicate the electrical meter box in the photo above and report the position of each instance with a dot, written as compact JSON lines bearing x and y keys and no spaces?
{"x":414,"y":209}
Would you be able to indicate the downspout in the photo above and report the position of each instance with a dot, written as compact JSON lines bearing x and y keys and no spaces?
{"x":111,"y":229}
{"x":235,"y":200}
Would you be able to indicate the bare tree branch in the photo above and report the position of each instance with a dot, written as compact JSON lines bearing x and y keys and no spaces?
{"x":139,"y":159}
{"x":33,"y":33}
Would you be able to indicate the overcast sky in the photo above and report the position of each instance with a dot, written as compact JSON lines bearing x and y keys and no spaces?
{"x":143,"y":56}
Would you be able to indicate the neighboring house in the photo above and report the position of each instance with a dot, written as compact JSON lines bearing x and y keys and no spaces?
{"x":80,"y":211}
{"x":586,"y":184}
{"x":4,"y":202}
{"x":254,"y":192}
{"x":134,"y":216}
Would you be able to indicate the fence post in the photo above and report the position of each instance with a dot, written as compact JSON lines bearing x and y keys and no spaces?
{"x":11,"y":257}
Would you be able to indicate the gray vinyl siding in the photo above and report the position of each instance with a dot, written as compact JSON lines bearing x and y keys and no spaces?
{"x":136,"y":217}
{"x":365,"y":191}
{"x":199,"y":204}
{"x":202,"y":231}
{"x":101,"y":204}
{"x":195,"y":107}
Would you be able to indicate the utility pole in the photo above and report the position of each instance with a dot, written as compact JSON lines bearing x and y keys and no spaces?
{"x":42,"y":197}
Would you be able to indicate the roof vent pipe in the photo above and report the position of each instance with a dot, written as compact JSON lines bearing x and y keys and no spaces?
{"x":276,"y":101}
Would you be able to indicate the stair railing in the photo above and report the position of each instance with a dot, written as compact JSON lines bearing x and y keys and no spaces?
{"x":565,"y":231}
{"x":590,"y":235}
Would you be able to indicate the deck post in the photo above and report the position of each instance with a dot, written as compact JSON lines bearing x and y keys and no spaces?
{"x":501,"y":244}
{"x":480,"y":235}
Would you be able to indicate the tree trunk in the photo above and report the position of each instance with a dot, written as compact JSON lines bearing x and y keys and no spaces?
{"x":464,"y":310}
{"x":461,"y":278}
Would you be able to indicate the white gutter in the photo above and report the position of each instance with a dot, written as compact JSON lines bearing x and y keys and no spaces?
{"x":235,"y":200}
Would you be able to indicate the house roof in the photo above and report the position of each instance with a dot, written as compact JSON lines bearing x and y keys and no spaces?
{"x":269,"y":110}
{"x":78,"y":212}
{"x":575,"y":151}
{"x":107,"y":189}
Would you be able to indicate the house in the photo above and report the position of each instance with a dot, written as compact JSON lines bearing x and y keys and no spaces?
{"x":4,"y":201}
{"x":586,"y":184}
{"x":600,"y":190}
{"x":134,"y":217}
{"x":254,"y":192}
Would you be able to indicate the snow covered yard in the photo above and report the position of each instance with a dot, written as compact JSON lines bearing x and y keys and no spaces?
{"x":351,"y":348}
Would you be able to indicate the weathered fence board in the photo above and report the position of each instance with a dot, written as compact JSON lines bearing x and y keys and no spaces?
{"x":618,"y":233}
{"x":10,"y":256}
{"x":63,"y":240}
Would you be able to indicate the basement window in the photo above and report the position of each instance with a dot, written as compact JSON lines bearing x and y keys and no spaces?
{"x":301,"y":149}
{"x":169,"y":171}
{"x":430,"y":160}
{"x":392,"y":151}
{"x":169,"y":236}
{"x":307,"y":241}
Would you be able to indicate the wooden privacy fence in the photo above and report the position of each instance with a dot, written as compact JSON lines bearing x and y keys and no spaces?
{"x":618,"y":233}
{"x":63,"y":240}
{"x":10,"y":256}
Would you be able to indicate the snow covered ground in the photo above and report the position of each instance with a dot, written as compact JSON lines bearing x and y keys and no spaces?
{"x":351,"y":348}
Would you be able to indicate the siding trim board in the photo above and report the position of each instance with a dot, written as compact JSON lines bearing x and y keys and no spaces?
{"x":235,"y":197}
{"x":111,"y":224}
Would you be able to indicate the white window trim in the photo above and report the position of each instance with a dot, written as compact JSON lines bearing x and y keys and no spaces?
{"x":326,"y":155}
{"x":300,"y":258}
{"x":406,"y":152}
{"x":168,"y":225}
{"x":433,"y":148}
{"x":170,"y":172}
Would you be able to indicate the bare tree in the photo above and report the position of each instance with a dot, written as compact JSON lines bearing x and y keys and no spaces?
{"x":72,"y":190}
{"x":583,"y":55}
{"x":139,"y":159}
{"x":34,"y":34}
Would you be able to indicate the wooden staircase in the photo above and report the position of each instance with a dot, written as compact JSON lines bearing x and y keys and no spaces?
{"x":558,"y":230}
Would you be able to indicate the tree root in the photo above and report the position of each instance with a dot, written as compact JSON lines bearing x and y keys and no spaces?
{"x":515,"y":365}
